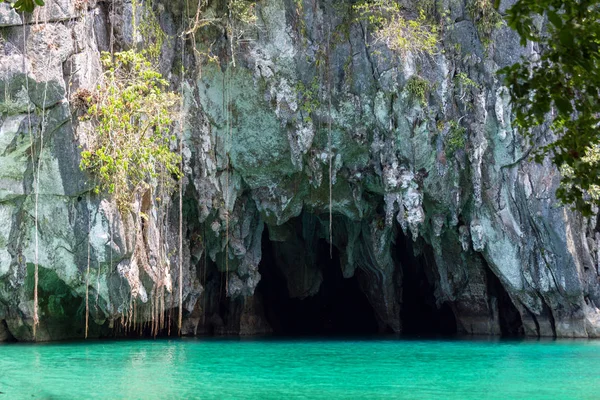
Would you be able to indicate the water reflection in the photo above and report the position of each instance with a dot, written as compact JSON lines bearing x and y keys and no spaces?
{"x":302,"y":369}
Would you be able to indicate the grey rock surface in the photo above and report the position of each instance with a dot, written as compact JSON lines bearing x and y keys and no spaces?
{"x":481,"y":220}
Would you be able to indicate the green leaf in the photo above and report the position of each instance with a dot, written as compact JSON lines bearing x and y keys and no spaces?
{"x":561,"y":88}
{"x":24,"y":5}
{"x":566,"y":37}
{"x":563,"y":105}
{"x":555,"y":19}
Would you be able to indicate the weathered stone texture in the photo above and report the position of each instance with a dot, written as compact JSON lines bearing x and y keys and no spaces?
{"x":255,"y":158}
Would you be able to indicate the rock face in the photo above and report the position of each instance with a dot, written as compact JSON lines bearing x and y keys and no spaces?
{"x":434,"y":192}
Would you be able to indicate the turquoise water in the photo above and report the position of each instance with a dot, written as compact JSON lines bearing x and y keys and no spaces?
{"x":302,"y":369}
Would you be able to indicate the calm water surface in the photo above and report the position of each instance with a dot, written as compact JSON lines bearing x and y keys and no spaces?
{"x":302,"y":369}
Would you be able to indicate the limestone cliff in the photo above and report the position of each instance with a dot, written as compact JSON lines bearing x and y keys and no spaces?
{"x":438,"y":183}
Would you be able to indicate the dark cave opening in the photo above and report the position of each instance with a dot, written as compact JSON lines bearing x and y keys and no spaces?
{"x":420,"y":314}
{"x":339,"y":308}
{"x":511,"y":324}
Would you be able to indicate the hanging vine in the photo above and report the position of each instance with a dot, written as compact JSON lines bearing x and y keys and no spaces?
{"x":329,"y":145}
{"x":87,"y":277}
{"x":226,"y":193}
{"x":36,"y":160}
{"x":180,"y":247}
{"x":130,"y":155}
{"x":133,"y":115}
{"x":132,"y":161}
{"x":235,"y":19}
{"x":35,"y":184}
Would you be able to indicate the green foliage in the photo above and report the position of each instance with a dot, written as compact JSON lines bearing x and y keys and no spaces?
{"x":24,"y":5}
{"x":562,"y":89}
{"x":242,"y":19}
{"x":150,"y":30}
{"x":242,"y":11}
{"x":428,"y":7}
{"x":399,"y":34}
{"x":462,"y":79}
{"x":456,"y":138}
{"x":133,"y":115}
{"x":464,"y":89}
{"x":300,"y":18}
{"x":308,"y":97}
{"x":236,"y":18}
{"x":418,"y":88}
{"x":485,"y":17}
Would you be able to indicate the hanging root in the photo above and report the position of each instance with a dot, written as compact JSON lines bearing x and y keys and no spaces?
{"x":330,"y":152}
{"x":180,"y":315}
{"x":87,"y":289}
{"x":228,"y":134}
{"x":36,"y":320}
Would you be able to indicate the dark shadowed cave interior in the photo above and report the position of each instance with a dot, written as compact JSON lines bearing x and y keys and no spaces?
{"x":511,"y":324}
{"x":339,"y":308}
{"x":420,"y":314}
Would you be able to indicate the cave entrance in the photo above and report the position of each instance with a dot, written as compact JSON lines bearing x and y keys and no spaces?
{"x":339,"y":308}
{"x":420,"y":314}
{"x":509,"y":318}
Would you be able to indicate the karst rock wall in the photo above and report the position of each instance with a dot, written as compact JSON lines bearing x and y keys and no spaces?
{"x":261,"y":142}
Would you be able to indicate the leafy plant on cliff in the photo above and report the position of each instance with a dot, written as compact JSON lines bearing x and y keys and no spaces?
{"x":456,"y":138}
{"x":462,"y":80}
{"x":300,"y":22}
{"x":561,"y":90}
{"x":401,"y":35}
{"x":133,"y":114}
{"x":485,"y":17}
{"x":24,"y":5}
{"x":418,"y":88}
{"x":465,"y":88}
{"x":308,"y":97}
{"x":242,"y":11}
{"x":233,"y":20}
{"x":150,"y":30}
